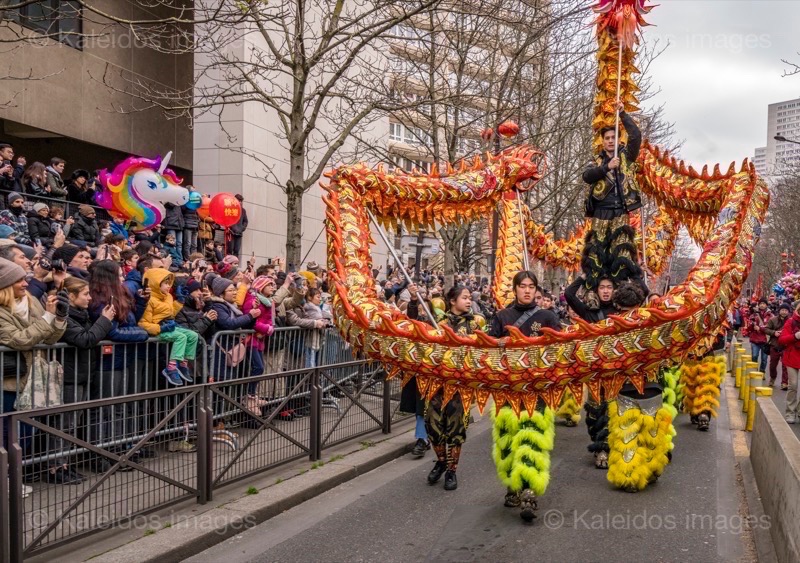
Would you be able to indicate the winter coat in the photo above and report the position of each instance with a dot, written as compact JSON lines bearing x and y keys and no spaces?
{"x":239,"y":228}
{"x":126,"y":333}
{"x":205,"y":231}
{"x":39,"y":227}
{"x":774,"y":325}
{"x":192,"y":318}
{"x":160,"y":307}
{"x":17,"y":222}
{"x":789,"y":342}
{"x":264,"y":325}
{"x":227,"y":318}
{"x":118,"y":230}
{"x":191,"y":220}
{"x":85,"y":230}
{"x":80,"y":195}
{"x":173,"y":220}
{"x":33,"y":188}
{"x":83,"y":336}
{"x":758,"y":319}
{"x":175,"y":253}
{"x":314,"y":313}
{"x":21,"y":335}
{"x":133,"y":282}
{"x":57,"y":188}
{"x":13,"y":183}
{"x":292,"y":310}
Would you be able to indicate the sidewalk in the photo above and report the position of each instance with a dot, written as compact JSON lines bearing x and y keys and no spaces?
{"x":189,"y":528}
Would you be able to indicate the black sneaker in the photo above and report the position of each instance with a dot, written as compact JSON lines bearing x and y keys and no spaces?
{"x":703,"y":422}
{"x":511,"y":500}
{"x":419,"y":448}
{"x":450,"y":481}
{"x":436,"y":473}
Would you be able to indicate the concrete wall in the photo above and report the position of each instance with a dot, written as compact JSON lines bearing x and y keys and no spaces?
{"x":71,"y":99}
{"x":775,"y":456}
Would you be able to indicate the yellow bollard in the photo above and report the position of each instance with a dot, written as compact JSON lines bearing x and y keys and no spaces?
{"x":740,"y":360}
{"x":751,"y":412}
{"x":749,"y":369}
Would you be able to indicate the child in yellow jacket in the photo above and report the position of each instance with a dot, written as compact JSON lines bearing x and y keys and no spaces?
{"x":159,"y":320}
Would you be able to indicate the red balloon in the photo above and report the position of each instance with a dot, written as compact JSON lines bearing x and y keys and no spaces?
{"x":225,"y":209}
{"x":204,"y":210}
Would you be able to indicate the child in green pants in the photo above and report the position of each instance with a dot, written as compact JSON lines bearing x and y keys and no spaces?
{"x":159,"y":320}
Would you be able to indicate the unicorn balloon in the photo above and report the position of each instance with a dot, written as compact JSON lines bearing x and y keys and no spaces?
{"x":138,"y":188}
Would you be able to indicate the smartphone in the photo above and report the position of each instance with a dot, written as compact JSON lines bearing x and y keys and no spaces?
{"x":291,"y":269}
{"x":38,"y":242}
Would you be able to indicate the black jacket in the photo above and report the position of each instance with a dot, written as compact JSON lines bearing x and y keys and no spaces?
{"x":13,"y":183}
{"x":238,"y":229}
{"x":544,"y":318}
{"x":190,"y":219}
{"x":76,"y":194}
{"x":85,"y":230}
{"x":40,"y":228}
{"x":580,"y":308}
{"x":84,"y":335}
{"x":608,"y":197}
{"x":192,"y":318}
{"x":174,"y":217}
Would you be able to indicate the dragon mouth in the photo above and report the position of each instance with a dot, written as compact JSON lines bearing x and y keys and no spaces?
{"x":725,"y":210}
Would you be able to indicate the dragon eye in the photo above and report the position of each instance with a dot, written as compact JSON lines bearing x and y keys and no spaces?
{"x":152,"y":185}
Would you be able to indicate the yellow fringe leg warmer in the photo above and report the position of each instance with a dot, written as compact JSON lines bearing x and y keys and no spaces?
{"x":701,"y":380}
{"x":521,"y":448}
{"x":639,"y":444}
{"x":570,"y":410}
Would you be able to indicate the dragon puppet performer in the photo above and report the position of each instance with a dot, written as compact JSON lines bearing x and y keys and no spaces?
{"x":528,"y":369}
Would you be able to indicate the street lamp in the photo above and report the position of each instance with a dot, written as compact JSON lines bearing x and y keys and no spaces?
{"x":785,"y":140}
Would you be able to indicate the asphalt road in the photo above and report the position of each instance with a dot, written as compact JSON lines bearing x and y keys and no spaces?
{"x":694,"y":512}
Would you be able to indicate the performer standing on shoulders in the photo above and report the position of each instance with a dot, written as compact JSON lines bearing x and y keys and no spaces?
{"x":521,"y":446}
{"x":612,"y":196}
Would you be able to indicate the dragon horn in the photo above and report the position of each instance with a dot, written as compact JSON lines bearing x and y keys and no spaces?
{"x":164,"y":163}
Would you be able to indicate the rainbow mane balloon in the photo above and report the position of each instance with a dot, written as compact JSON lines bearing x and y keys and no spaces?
{"x":138,"y":188}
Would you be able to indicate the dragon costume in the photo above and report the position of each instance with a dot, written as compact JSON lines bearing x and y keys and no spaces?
{"x":721,"y":210}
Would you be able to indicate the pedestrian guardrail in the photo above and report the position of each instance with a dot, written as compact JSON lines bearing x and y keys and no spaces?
{"x":117,"y":441}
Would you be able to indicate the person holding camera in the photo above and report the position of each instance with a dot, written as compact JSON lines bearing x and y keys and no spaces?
{"x":10,"y":173}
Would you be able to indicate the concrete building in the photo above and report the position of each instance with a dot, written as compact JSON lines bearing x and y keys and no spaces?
{"x":65,"y":108}
{"x":760,"y":161}
{"x":783,"y":119}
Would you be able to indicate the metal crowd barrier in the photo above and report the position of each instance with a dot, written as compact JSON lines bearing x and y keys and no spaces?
{"x":139,"y":444}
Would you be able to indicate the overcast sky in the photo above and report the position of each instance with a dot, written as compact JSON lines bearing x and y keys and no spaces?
{"x":721,"y":71}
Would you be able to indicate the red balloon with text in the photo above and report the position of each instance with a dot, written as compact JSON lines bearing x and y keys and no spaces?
{"x":225,"y":209}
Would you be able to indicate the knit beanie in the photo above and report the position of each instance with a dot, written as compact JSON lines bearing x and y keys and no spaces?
{"x":314,"y":268}
{"x":14,"y":196}
{"x":219,"y":285}
{"x":209,"y":278}
{"x":259,"y":283}
{"x":192,"y":285}
{"x":6,"y":231}
{"x":66,"y":253}
{"x":37,"y":207}
{"x":784,"y":306}
{"x":10,"y":273}
{"x":85,"y":210}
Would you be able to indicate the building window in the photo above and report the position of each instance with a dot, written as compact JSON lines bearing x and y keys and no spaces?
{"x":59,"y":19}
{"x":396,"y":132}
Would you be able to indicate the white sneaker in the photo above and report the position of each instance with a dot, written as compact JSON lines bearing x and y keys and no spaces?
{"x":26,"y":490}
{"x":791,"y":419}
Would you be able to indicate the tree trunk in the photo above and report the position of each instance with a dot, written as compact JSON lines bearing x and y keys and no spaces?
{"x":294,"y":216}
